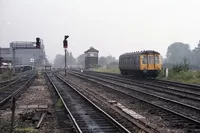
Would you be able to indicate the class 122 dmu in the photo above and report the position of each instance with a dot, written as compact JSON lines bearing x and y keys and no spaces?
{"x":140,"y":64}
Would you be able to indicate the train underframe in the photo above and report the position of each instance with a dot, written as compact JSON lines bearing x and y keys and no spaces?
{"x":142,"y":74}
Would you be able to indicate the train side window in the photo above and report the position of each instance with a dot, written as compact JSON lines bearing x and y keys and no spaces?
{"x":144,"y":59}
{"x":133,"y":60}
{"x":128,"y":60}
{"x":156,"y":59}
{"x":150,"y":59}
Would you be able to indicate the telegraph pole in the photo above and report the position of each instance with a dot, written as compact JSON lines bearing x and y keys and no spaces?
{"x":65,"y":45}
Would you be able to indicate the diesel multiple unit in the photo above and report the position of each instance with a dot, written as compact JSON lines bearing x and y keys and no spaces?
{"x":144,"y":63}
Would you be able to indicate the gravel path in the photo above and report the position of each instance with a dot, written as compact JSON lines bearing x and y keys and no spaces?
{"x":36,"y":95}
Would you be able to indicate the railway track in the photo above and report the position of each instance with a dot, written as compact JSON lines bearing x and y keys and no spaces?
{"x":86,"y":116}
{"x":163,"y":82}
{"x":7,"y":82}
{"x":13,"y":88}
{"x":182,"y":115}
{"x":185,"y":93}
{"x":131,"y":120}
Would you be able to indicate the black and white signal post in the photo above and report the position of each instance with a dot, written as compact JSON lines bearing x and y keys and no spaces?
{"x":65,"y":45}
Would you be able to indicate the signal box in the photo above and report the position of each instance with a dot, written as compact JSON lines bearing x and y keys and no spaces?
{"x":91,"y":58}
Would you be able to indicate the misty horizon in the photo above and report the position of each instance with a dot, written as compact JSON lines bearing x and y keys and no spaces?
{"x":112,"y":27}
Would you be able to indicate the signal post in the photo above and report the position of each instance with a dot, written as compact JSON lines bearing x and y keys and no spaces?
{"x":65,"y":45}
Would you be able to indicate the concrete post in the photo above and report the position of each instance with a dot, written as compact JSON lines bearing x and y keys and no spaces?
{"x":166,"y":72}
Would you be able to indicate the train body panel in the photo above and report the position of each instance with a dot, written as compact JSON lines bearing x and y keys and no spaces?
{"x":145,"y":63}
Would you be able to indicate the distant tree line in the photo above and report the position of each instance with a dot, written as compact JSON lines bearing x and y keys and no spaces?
{"x":180,"y":54}
{"x":59,"y":61}
{"x":103,"y":61}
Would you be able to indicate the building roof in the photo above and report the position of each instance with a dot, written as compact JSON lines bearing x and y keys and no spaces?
{"x":91,"y":50}
{"x":4,"y":50}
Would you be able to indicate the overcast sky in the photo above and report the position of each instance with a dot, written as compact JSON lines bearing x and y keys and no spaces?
{"x":111,"y":26}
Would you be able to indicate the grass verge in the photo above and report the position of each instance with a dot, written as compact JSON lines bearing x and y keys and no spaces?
{"x":108,"y":70}
{"x":24,"y":130}
{"x":59,"y":103}
{"x":183,"y":76}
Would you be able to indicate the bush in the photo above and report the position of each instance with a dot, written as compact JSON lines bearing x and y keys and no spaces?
{"x":185,"y":76}
{"x":181,"y":73}
{"x":180,"y":67}
{"x":198,"y":74}
{"x":7,"y":74}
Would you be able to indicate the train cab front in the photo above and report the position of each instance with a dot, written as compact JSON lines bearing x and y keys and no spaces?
{"x":150,"y":65}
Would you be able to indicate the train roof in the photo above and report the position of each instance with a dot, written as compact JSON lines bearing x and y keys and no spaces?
{"x":140,"y":52}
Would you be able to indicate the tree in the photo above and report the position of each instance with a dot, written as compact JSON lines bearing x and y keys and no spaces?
{"x":177,"y":51}
{"x":106,"y":60}
{"x":197,"y":49}
{"x":102,"y":61}
{"x":59,"y":61}
{"x":81,"y":60}
{"x":110,"y":59}
{"x":112,"y":65}
{"x":196,"y":56}
{"x":71,"y":60}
